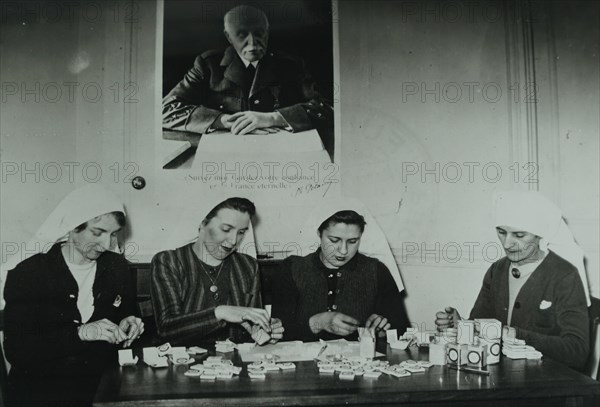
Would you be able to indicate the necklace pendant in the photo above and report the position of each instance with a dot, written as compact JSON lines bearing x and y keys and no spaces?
{"x":216,"y":296}
{"x":214,"y":288}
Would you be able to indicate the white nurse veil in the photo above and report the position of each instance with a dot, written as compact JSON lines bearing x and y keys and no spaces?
{"x":533,"y":212}
{"x":373,"y":242}
{"x":78,"y":207}
{"x":191,"y":216}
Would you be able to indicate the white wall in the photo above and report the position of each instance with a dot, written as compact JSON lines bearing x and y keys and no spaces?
{"x":397,"y":60}
{"x":62,"y":118}
{"x":568,"y":37}
{"x":424,"y":159}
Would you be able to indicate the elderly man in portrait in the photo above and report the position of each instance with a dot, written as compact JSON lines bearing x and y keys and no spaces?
{"x":246,"y":88}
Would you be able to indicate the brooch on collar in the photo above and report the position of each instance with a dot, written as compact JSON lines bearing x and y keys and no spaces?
{"x":117,"y":302}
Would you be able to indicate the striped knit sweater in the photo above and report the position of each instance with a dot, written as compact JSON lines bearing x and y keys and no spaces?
{"x":184,"y":307}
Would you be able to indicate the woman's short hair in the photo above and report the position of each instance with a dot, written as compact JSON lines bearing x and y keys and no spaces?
{"x":118,"y":215}
{"x":238,"y":204}
{"x":348,"y":217}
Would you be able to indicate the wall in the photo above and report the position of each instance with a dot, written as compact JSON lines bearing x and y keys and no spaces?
{"x":425,"y":136}
{"x":569,"y":107}
{"x":63,"y":73}
{"x":431,"y":119}
{"x":412,"y":131}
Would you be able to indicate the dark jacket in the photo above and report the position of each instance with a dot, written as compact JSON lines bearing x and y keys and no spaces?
{"x":364,"y":287}
{"x":560,"y":330}
{"x":214,"y":85}
{"x":41,"y":320}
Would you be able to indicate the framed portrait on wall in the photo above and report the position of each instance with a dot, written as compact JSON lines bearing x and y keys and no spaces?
{"x":246,"y":100}
{"x":247,"y":81}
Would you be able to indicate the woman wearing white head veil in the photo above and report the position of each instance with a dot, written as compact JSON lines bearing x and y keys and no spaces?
{"x":328,"y":293}
{"x":207,"y":289}
{"x":68,"y":303}
{"x":540,"y":287}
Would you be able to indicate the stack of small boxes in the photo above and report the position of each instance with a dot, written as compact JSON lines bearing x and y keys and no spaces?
{"x":257,"y":370}
{"x":476,"y":345}
{"x":159,"y":356}
{"x":214,"y":367}
{"x":514,"y":348}
{"x":350,"y":367}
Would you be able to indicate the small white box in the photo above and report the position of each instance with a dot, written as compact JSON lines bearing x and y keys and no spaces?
{"x":456,"y":354}
{"x":152,"y":358}
{"x":271,"y":368}
{"x":224,"y":375}
{"x":286,"y":366}
{"x":397,"y":373}
{"x":437,"y":353}
{"x":235,"y":369}
{"x":414,"y":369}
{"x":391,"y":335}
{"x":466,"y":332}
{"x":493,"y":350}
{"x":367,"y":347}
{"x":150,"y":354}
{"x":372,"y":375}
{"x":163,"y":349}
{"x":509,"y":334}
{"x":195,"y":350}
{"x":126,"y":357}
{"x":347,"y":376}
{"x":260,"y":336}
{"x":477,"y":356}
{"x":488,"y":328}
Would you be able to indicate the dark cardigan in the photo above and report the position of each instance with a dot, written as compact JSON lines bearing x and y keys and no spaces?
{"x":560,"y":331}
{"x":50,"y":364}
{"x":365,"y":287}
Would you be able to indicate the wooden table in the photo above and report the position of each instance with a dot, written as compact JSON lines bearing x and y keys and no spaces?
{"x":510,"y":383}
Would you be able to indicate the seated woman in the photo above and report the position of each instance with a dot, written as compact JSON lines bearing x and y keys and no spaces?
{"x":540,"y":287}
{"x":329,"y":293}
{"x":69,"y":305}
{"x":206,"y":290}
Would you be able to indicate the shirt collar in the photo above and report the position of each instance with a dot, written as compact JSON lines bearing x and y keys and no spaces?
{"x":246,"y":62}
{"x":528,"y":268}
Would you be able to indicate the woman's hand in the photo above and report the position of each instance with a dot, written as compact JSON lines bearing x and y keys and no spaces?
{"x":237,"y":315}
{"x":276,"y":330}
{"x":260,"y":336}
{"x":101,"y":330}
{"x":447,"y":319}
{"x":378,"y":323}
{"x":333,"y":322}
{"x":133,"y":327}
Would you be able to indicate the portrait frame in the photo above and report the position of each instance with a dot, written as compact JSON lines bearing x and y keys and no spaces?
{"x":304,"y":30}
